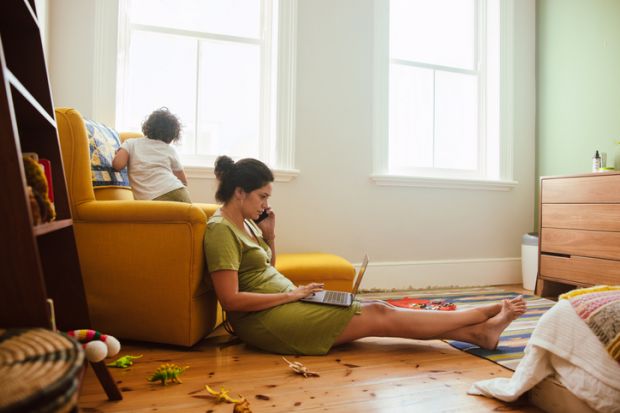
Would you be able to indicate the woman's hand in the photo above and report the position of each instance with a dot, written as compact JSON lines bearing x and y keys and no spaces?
{"x":268,"y":226}
{"x":303,"y":291}
{"x":226,"y":284}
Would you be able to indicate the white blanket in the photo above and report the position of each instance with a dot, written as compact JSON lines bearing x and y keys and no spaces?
{"x":562,"y":344}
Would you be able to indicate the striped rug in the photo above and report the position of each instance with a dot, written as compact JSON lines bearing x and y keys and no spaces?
{"x":513,"y":340}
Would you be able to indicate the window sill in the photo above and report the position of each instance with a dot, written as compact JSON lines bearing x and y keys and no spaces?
{"x":446,"y":183}
{"x":206,"y":172}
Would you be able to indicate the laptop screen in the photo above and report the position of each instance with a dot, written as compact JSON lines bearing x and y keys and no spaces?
{"x":360,"y":274}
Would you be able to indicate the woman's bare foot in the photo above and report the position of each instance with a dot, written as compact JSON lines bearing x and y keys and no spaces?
{"x":489,"y":310}
{"x":519,"y":304}
{"x":490,"y":330}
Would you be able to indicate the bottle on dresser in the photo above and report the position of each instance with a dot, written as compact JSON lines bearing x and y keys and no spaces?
{"x":596,"y":162}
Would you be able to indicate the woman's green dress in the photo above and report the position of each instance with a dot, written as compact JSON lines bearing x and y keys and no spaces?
{"x":292,"y":328}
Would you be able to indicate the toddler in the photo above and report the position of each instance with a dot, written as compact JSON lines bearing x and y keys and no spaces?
{"x":155,"y":171}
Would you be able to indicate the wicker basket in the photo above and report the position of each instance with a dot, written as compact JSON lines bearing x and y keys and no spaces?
{"x":39,"y":371}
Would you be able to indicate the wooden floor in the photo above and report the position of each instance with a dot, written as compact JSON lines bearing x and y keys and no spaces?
{"x":370,"y":375}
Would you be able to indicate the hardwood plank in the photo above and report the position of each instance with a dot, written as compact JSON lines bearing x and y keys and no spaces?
{"x":371,"y":375}
{"x":597,"y":217}
{"x":410,"y":373}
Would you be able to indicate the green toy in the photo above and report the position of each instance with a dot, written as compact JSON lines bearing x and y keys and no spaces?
{"x":168,"y":372}
{"x":123,"y":362}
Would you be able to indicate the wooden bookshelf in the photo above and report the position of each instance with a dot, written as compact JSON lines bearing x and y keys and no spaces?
{"x":39,"y":261}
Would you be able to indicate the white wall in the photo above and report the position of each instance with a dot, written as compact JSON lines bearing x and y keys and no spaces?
{"x":71,"y":50}
{"x":42,"y":17}
{"x":413,"y":236}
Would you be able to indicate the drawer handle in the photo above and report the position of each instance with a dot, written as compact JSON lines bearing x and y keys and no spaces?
{"x":556,"y":254}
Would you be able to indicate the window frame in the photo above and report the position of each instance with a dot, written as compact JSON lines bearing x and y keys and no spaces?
{"x":435,"y":177}
{"x":108,"y":82}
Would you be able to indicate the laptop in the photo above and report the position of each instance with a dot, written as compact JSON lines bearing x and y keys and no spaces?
{"x":340,"y":298}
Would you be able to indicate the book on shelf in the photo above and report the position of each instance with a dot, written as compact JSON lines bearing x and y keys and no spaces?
{"x":47,"y":171}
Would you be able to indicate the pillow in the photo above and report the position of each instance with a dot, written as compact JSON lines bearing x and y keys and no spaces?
{"x":103,"y":143}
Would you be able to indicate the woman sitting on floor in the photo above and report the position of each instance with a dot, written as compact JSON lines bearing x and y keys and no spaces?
{"x":263,"y":305}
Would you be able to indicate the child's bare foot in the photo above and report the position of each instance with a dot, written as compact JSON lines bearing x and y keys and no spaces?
{"x":493,"y":327}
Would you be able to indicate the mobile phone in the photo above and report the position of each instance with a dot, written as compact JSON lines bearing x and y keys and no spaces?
{"x":262,"y":216}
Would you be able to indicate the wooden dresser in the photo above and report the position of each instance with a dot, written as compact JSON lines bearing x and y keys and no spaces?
{"x":579,"y":232}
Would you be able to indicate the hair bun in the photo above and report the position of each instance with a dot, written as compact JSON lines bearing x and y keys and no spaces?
{"x":223,"y":165}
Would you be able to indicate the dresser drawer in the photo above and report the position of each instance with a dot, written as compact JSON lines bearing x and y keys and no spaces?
{"x":596,"y":188}
{"x":580,"y":270}
{"x":597,"y":244}
{"x":602,"y":217}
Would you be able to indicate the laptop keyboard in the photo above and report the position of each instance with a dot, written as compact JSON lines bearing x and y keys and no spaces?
{"x":335,"y":297}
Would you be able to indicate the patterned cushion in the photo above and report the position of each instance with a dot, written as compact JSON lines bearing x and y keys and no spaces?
{"x":103,"y":143}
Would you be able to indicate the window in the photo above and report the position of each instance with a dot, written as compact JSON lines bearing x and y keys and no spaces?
{"x":441,"y":118}
{"x":223,"y":66}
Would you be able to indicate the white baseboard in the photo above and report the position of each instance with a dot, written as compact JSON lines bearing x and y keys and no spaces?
{"x":443,"y":273}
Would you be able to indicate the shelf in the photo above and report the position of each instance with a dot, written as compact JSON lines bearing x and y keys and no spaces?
{"x":48,"y":227}
{"x":21,"y":89}
{"x":39,"y":262}
{"x":36,"y":132}
{"x":23,"y":50}
{"x":32,"y":13}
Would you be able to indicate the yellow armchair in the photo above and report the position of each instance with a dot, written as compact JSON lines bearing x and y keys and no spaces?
{"x":142,"y":261}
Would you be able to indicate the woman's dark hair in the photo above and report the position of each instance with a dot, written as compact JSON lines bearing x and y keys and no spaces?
{"x":162,"y":125}
{"x":247,"y":174}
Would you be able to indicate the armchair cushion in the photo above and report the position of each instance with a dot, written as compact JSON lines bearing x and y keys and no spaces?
{"x":336,"y":272}
{"x":103,"y":143}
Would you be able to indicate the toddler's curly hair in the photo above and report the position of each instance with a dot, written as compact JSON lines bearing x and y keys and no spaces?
{"x":162,"y":125}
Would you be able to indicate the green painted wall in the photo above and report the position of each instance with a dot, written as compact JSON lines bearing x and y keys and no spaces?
{"x":578,"y":85}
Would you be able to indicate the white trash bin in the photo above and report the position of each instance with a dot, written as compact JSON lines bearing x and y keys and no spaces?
{"x":529,"y":260}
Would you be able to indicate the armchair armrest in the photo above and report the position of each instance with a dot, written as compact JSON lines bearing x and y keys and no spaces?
{"x":129,"y":135}
{"x":208,"y":209}
{"x":157,"y":212}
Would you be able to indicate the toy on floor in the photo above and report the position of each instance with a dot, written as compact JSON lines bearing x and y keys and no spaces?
{"x":222,"y":395}
{"x":168,"y":373}
{"x":97,"y":346}
{"x":242,"y":407}
{"x":422,"y":304}
{"x":123,"y":362}
{"x":301,"y":369}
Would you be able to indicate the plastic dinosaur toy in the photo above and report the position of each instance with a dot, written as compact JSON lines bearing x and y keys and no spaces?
{"x":123,"y":362}
{"x":300,"y":368}
{"x":168,"y":373}
{"x":222,"y":395}
{"x":242,"y":407}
